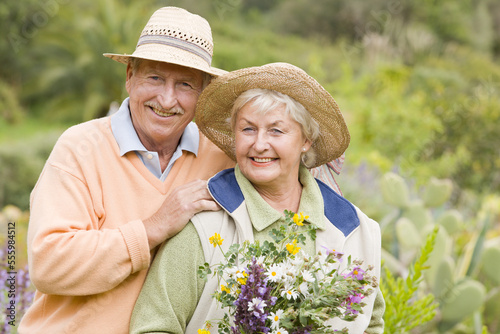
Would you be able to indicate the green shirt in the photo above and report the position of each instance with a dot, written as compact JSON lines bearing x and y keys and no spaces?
{"x":172,"y":289}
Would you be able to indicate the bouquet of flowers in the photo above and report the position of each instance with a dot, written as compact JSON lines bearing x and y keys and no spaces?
{"x":274,"y":287}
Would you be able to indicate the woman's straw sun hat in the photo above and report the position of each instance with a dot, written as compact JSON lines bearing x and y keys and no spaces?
{"x":174,"y":35}
{"x":215,"y":103}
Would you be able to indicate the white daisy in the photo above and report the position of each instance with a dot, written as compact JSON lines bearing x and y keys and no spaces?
{"x":304,"y":289}
{"x":308,"y":276}
{"x":275,"y":319}
{"x":260,"y":260}
{"x":290,"y":293}
{"x":274,"y":273}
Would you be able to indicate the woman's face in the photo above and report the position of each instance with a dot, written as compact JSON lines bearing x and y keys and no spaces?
{"x":269,"y":146}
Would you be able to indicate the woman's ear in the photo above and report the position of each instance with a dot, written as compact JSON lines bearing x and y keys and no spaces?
{"x":307,"y":145}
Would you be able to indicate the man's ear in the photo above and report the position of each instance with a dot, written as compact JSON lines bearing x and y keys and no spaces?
{"x":129,"y":75}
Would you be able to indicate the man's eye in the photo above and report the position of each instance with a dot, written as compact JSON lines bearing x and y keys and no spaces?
{"x":186,"y":85}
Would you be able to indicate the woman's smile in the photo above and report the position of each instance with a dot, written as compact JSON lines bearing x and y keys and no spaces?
{"x":268,"y":146}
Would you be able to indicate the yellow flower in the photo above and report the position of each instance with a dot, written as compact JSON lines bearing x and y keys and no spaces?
{"x":216,"y":240}
{"x":293,"y":248}
{"x":299,"y":220}
{"x":224,"y":288}
{"x":242,"y":279}
{"x":203,"y":331}
{"x":296,"y":220}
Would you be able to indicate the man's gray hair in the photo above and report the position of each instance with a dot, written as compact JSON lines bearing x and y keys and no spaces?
{"x":135,"y":63}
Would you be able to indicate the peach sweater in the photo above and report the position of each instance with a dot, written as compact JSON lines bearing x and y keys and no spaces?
{"x":88,"y":249}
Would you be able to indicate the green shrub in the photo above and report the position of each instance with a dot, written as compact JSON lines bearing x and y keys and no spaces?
{"x":20,"y":165}
{"x":10,"y":108}
{"x":407,"y":306}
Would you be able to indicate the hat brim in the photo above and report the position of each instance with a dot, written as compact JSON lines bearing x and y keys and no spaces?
{"x":171,"y":58}
{"x":215,"y":103}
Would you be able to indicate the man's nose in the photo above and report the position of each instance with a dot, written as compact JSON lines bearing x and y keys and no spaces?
{"x":167,"y":97}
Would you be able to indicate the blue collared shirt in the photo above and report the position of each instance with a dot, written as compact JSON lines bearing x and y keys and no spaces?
{"x":128,"y":140}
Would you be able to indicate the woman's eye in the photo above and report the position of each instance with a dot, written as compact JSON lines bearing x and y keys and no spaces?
{"x":276,"y":131}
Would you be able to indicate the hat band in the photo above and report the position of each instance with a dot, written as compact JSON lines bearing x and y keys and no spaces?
{"x":176,"y":43}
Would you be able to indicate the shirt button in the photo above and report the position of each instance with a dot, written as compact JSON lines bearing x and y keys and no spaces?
{"x":149,"y":156}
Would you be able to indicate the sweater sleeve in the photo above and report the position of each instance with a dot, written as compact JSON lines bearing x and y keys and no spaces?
{"x":172,"y":288}
{"x":376,"y":325}
{"x":69,"y":254}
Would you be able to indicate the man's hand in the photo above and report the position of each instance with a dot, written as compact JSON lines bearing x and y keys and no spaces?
{"x":176,"y":211}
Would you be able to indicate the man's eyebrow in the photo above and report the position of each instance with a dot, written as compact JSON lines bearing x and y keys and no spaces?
{"x":190,"y":77}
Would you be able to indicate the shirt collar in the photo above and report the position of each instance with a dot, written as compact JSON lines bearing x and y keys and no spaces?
{"x":263,"y":215}
{"x":128,"y":140}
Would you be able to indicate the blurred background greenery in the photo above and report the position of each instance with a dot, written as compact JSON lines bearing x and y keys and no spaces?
{"x":418,"y":83}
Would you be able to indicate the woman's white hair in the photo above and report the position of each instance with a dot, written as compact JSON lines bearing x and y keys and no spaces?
{"x":264,"y":100}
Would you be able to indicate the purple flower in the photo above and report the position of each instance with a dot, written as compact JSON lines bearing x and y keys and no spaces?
{"x":24,"y":292}
{"x":356,"y":273}
{"x":250,"y":315}
{"x":304,"y":330}
{"x":351,"y":301}
{"x":334,"y":253}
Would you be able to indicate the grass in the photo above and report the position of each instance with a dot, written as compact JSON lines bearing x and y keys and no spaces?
{"x":11,"y":133}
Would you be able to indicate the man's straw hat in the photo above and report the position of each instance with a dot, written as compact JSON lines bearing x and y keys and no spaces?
{"x":215,"y":102}
{"x":174,"y":35}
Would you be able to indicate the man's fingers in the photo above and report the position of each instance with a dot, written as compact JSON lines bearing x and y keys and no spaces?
{"x":192,"y":191}
{"x":208,"y":205}
{"x":178,"y":208}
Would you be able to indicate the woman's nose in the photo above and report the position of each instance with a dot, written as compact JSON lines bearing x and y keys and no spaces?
{"x":261,"y":143}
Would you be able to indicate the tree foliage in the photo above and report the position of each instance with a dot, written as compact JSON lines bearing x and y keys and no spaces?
{"x":417,"y":81}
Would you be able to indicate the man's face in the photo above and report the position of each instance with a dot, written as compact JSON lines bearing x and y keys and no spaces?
{"x":162,"y":101}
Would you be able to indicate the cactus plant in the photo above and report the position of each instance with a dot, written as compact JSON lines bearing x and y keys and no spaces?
{"x":463,"y":300}
{"x":408,"y":235}
{"x":437,"y":192}
{"x":441,"y":250}
{"x":445,"y":274}
{"x":490,"y":261}
{"x":394,"y":190}
{"x":451,"y":220}
{"x":462,"y":255}
{"x":492,"y":310}
{"x":419,"y":215}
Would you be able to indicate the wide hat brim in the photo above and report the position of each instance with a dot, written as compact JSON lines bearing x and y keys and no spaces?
{"x":216,"y":101}
{"x":167,"y":54}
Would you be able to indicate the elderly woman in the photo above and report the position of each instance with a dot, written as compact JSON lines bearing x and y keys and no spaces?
{"x":281,"y":122}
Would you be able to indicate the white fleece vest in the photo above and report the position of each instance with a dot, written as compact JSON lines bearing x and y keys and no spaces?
{"x":360,"y":242}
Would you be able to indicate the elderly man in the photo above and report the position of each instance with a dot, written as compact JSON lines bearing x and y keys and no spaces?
{"x":115,"y":188}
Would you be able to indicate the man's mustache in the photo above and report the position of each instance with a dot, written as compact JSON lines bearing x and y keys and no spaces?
{"x":174,"y":110}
